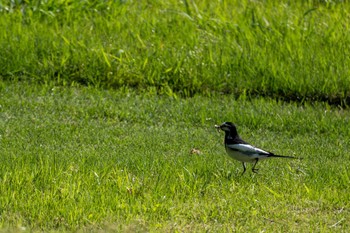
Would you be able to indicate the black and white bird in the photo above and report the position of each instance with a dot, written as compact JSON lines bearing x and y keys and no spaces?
{"x":242,"y":151}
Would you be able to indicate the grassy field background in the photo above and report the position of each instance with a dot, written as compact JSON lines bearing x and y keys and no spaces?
{"x":101,"y":103}
{"x":291,"y":50}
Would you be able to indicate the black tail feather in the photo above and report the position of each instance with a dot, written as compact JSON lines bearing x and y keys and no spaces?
{"x":283,"y":156}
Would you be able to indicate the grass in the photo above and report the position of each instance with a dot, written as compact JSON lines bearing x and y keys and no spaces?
{"x":280,"y":49}
{"x":95,"y":135}
{"x":84,"y":159}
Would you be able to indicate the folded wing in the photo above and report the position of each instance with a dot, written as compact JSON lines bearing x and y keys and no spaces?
{"x":249,"y":150}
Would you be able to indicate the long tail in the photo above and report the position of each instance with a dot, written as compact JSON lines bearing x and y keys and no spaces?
{"x":283,"y":156}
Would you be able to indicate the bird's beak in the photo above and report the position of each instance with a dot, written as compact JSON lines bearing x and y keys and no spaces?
{"x":218,"y":127}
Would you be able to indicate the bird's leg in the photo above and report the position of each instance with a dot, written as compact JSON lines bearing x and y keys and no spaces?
{"x":243,"y":168}
{"x":255,"y":170}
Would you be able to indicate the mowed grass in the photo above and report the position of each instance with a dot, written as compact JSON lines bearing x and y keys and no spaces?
{"x":82,"y":159}
{"x":117,"y":158}
{"x":282,"y":49}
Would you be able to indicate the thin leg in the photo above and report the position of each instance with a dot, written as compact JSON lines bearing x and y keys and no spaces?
{"x":255,"y":170}
{"x":243,"y":168}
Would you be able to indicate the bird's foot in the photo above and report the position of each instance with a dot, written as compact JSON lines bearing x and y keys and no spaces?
{"x":255,"y":170}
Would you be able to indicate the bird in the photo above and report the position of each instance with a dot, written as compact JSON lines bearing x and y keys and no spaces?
{"x":241,"y":150}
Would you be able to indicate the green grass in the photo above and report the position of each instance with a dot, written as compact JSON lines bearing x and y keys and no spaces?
{"x":281,"y":49}
{"x":83,"y":159}
{"x":95,"y":135}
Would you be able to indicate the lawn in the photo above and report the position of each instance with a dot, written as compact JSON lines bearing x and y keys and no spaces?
{"x":83,"y":159}
{"x":103,"y":102}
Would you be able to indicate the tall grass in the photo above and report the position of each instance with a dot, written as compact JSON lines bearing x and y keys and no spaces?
{"x":294,"y":50}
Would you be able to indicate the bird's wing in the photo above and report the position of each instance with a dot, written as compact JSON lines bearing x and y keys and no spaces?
{"x":248,"y":149}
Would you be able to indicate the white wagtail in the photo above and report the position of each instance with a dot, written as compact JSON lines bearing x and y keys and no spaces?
{"x":242,"y":151}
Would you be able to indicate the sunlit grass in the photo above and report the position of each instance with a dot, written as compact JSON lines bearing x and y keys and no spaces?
{"x":291,"y":50}
{"x":88,"y":144}
{"x":86,"y":159}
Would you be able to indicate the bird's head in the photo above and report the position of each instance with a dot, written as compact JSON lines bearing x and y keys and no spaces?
{"x":227,"y":127}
